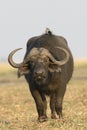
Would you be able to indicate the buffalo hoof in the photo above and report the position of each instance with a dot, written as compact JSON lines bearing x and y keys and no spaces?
{"x":42,"y":118}
{"x":53,"y":116}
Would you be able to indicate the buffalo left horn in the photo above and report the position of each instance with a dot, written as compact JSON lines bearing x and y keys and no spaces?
{"x":10,"y":60}
{"x":61,"y":62}
{"x":65,"y":60}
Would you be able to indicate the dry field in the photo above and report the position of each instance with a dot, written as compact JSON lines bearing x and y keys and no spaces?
{"x":17,"y":108}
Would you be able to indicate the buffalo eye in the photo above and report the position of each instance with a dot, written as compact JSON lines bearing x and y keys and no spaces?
{"x":31,"y":64}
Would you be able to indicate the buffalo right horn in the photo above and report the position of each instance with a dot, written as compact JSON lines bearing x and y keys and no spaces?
{"x":10,"y":60}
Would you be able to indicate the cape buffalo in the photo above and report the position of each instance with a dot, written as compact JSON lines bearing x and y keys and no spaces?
{"x":47,"y":67}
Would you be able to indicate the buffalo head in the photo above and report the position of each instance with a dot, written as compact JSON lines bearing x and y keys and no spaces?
{"x":39,"y":62}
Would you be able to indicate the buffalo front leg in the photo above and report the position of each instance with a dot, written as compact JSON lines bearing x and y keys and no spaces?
{"x":40,"y":105}
{"x":59,"y":100}
{"x":52,"y":106}
{"x":44,"y":102}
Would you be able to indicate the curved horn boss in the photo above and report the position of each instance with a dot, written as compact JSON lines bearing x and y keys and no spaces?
{"x":62,"y":62}
{"x":46,"y":54}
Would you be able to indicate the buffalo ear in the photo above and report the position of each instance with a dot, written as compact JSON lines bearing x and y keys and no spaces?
{"x":22,"y":71}
{"x":54,"y":68}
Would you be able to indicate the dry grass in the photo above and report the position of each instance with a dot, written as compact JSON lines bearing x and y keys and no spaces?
{"x":17,"y":108}
{"x":80,"y":62}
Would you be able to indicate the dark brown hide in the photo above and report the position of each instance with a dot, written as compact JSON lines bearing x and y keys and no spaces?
{"x":47,"y":72}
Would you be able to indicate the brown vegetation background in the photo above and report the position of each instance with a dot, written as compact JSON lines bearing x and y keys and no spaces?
{"x":17,"y":107}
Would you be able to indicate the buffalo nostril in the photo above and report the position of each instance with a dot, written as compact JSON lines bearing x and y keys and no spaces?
{"x":39,"y":73}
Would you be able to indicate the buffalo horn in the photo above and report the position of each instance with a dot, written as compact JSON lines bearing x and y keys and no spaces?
{"x":65,"y":60}
{"x":45,"y":52}
{"x":10,"y":60}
